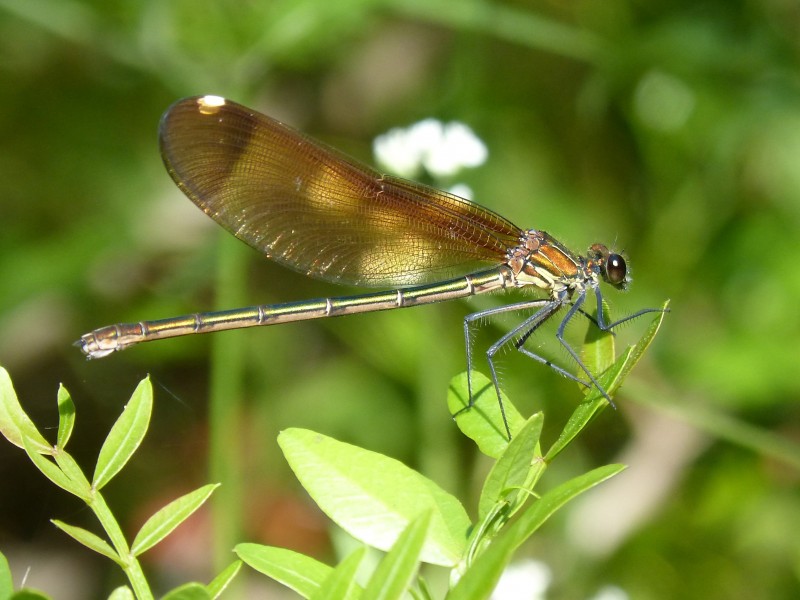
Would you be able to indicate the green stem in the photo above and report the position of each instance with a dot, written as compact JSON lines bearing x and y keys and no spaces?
{"x":130,"y":564}
{"x":227,"y":377}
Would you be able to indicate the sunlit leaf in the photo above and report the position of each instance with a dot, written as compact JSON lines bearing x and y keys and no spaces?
{"x":66,"y":417}
{"x":341,"y":583}
{"x":374,"y":497}
{"x":188,"y":591}
{"x":125,"y":435}
{"x":89,"y":539}
{"x":483,"y":421}
{"x":296,"y":571}
{"x":480,"y":579}
{"x":161,"y":524}
{"x":14,"y":423}
{"x":221,"y":582}
{"x":513,"y":467}
{"x":395,"y":572}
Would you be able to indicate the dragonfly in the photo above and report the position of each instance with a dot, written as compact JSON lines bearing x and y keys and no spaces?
{"x":315,"y":210}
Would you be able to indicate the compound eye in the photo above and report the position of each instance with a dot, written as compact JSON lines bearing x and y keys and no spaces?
{"x":616,"y":269}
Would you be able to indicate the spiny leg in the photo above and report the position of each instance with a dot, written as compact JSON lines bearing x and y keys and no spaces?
{"x":600,"y":321}
{"x":468,"y":321}
{"x":576,"y":306}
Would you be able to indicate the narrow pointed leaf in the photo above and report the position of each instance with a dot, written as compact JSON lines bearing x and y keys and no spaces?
{"x":481,"y":578}
{"x":374,"y":497}
{"x":89,"y":539}
{"x":483,"y":421}
{"x":188,"y":591}
{"x":341,"y":582}
{"x":611,"y":380}
{"x":644,"y":342}
{"x":71,"y":469}
{"x":512,"y":468}
{"x":52,"y":472}
{"x":586,"y":410}
{"x":395,"y":572}
{"x":66,"y":417}
{"x":301,"y":573}
{"x":14,"y":423}
{"x":220,"y":583}
{"x":161,"y":524}
{"x":125,"y":436}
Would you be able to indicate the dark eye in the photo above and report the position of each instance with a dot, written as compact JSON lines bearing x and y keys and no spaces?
{"x":616,"y":269}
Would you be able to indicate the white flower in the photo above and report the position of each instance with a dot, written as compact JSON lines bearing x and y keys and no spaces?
{"x":527,"y":579}
{"x":442,"y":149}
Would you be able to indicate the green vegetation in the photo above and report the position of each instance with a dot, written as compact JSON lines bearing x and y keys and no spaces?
{"x":669,"y":130}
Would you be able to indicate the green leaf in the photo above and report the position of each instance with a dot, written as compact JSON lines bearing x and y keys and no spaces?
{"x":395,"y":572}
{"x":533,"y":518}
{"x":71,"y":469}
{"x":374,"y":497}
{"x":188,"y":591}
{"x":6,"y":580}
{"x":66,"y":417}
{"x":644,"y":342}
{"x":481,"y":578}
{"x":483,"y":421}
{"x":341,"y":581}
{"x":125,"y":436}
{"x":598,"y":347}
{"x":122,"y":593}
{"x":611,"y":380}
{"x":161,"y":524}
{"x":14,"y":423}
{"x":591,"y":405}
{"x":89,"y":539}
{"x":220,"y":583}
{"x":301,"y":573}
{"x":513,"y":467}
{"x":52,"y":472}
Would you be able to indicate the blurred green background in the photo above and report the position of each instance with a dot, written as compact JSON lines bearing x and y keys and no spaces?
{"x":668,"y":129}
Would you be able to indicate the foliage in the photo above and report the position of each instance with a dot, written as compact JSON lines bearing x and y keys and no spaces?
{"x":374,"y":498}
{"x":667,"y":129}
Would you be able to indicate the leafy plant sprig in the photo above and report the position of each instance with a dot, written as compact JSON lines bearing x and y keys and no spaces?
{"x":378,"y":500}
{"x":119,"y":446}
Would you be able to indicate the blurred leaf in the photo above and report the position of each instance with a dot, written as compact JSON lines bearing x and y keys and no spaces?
{"x":188,"y":591}
{"x":90,"y":540}
{"x":374,"y":497}
{"x":125,"y":435}
{"x":122,"y":593}
{"x":6,"y":580}
{"x":296,"y":571}
{"x":483,"y":421}
{"x":220,"y":583}
{"x":164,"y":522}
{"x":29,"y":595}
{"x":396,"y":570}
{"x":341,"y":582}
